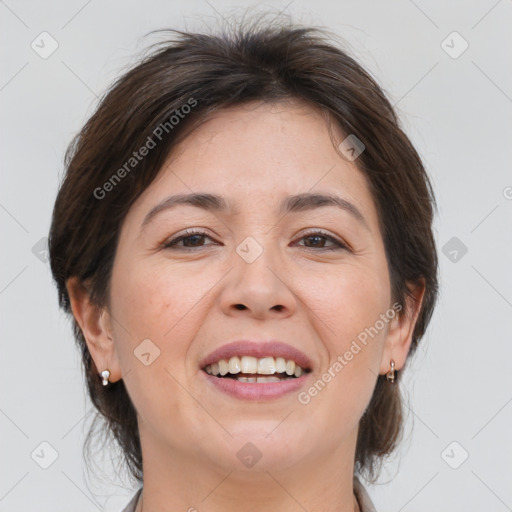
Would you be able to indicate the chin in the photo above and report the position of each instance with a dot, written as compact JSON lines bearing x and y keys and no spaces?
{"x":262,"y":448}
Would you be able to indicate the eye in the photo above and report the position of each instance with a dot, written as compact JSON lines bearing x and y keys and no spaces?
{"x":191,"y":238}
{"x":195,"y":238}
{"x":317,"y":240}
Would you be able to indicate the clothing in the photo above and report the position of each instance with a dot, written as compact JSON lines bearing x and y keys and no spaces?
{"x":133,"y":502}
{"x":362,"y":496}
{"x":365,"y":503}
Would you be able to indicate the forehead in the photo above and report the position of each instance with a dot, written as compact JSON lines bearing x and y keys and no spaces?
{"x":261,"y":151}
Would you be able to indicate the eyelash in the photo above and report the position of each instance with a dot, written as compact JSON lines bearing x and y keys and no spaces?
{"x":172,"y":243}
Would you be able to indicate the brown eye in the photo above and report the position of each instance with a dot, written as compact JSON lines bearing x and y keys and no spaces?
{"x":318,"y":240}
{"x":187,"y":241}
{"x":192,"y":240}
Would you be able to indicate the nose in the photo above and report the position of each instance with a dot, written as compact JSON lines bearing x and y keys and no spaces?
{"x":259,"y":289}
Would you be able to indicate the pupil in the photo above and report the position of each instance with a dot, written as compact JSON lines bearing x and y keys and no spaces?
{"x":189,"y":238}
{"x":315,"y":238}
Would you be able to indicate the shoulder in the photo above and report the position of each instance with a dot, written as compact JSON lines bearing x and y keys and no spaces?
{"x":363,"y":498}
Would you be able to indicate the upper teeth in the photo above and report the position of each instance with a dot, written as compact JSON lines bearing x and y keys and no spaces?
{"x":249,"y":364}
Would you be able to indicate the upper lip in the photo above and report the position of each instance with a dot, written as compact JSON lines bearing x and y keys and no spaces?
{"x":258,"y":349}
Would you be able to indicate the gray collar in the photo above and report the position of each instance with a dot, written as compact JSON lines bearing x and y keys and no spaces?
{"x":362,"y":496}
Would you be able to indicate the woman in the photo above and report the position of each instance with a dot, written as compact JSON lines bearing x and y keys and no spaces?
{"x":244,"y":240}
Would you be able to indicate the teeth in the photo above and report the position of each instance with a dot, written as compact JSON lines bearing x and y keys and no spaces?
{"x":266,"y":366}
{"x":280,"y":364}
{"x":268,"y":379}
{"x":223,"y":367}
{"x":249,"y":364}
{"x":234,"y":365}
{"x":258,"y":379}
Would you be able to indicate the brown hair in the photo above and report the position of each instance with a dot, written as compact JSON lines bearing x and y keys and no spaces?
{"x":267,"y":61}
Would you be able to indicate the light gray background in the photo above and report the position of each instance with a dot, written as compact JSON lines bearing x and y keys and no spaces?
{"x":457,"y":112}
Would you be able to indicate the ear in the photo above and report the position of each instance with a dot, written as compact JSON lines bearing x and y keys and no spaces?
{"x":401,"y":328}
{"x":95,"y":323}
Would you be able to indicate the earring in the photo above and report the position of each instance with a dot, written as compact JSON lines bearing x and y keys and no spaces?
{"x":391,"y":374}
{"x":105,"y":374}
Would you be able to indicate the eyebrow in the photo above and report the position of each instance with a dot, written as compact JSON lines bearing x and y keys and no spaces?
{"x":296,"y":203}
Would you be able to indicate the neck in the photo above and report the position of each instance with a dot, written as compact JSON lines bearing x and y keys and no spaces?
{"x":320,"y":482}
{"x":140,"y":505}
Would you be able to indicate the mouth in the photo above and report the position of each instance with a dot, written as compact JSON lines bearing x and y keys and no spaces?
{"x":250,"y":369}
{"x":256,"y":370}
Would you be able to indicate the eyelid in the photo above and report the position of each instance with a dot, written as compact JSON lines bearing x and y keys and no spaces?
{"x":338,"y":243}
{"x":184,"y":234}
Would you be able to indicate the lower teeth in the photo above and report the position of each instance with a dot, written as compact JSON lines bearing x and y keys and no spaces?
{"x":250,"y":378}
{"x":260,"y":379}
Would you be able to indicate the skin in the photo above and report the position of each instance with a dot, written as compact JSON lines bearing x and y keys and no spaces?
{"x":186,"y":303}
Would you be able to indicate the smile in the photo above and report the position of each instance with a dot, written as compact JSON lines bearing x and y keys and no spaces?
{"x":251,"y":369}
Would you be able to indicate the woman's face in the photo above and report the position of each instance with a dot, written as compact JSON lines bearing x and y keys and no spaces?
{"x":309,"y":274}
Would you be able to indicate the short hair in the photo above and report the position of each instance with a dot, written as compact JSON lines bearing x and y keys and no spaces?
{"x":174,"y":89}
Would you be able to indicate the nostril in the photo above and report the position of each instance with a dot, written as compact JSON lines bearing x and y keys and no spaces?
{"x":240,"y":306}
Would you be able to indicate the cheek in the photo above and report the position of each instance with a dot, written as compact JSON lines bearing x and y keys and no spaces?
{"x":153,"y":300}
{"x":163,"y":304}
{"x":351,"y":301}
{"x":160,"y":304}
{"x":350,"y":306}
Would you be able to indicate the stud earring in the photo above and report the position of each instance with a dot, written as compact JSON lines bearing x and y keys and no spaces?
{"x":105,"y":374}
{"x":391,"y":374}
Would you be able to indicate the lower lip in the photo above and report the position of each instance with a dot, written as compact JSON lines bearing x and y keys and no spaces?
{"x":255,"y":390}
